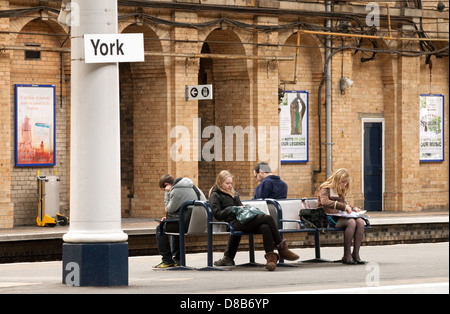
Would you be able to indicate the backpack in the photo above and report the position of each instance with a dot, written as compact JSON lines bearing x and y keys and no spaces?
{"x":173,"y":226}
{"x":313,"y":217}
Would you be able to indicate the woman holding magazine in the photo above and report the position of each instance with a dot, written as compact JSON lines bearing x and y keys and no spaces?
{"x":332,"y":198}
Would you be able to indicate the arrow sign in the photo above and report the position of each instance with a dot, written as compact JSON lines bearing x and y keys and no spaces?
{"x":109,"y":48}
{"x":194,"y":92}
{"x":199,"y":92}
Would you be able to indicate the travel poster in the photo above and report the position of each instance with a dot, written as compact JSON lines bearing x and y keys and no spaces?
{"x":294,"y":127}
{"x":35,"y":125}
{"x":431,"y":126}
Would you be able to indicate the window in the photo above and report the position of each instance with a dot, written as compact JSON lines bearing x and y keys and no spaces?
{"x":31,"y":54}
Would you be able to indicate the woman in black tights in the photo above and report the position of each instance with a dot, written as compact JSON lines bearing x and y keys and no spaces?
{"x":332,"y":198}
{"x":222,"y":198}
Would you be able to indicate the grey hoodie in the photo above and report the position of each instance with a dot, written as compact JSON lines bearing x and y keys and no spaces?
{"x":182,"y":190}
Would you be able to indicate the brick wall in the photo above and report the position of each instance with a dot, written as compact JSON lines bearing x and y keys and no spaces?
{"x":6,"y":206}
{"x":46,"y":70}
{"x":144,"y":116}
{"x":245,"y":95}
{"x":309,"y":74}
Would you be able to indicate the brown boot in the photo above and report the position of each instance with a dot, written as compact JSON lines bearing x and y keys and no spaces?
{"x":285,"y":253}
{"x":272,"y":260}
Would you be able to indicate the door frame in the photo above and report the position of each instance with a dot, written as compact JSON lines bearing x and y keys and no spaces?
{"x":383,"y":173}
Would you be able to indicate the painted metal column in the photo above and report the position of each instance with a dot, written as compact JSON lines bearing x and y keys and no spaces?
{"x":329,"y":144}
{"x":95,"y":194}
{"x":95,"y":213}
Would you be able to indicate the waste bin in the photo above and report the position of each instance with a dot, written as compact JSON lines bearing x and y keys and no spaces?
{"x":48,"y":205}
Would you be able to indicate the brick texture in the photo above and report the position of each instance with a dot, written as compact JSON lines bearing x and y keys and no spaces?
{"x":153,"y":103}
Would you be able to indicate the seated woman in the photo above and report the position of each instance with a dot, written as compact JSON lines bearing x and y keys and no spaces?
{"x":222,"y":198}
{"x":332,"y":198}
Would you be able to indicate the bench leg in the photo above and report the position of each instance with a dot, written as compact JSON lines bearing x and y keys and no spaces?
{"x":210,"y":253}
{"x":182,"y":265}
{"x":318,"y":259}
{"x":251,"y":249}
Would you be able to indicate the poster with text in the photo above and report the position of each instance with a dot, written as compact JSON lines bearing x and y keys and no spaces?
{"x":35,"y":125}
{"x":431,"y":128}
{"x":294,"y":127}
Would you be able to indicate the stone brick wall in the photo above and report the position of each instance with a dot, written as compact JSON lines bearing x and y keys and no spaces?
{"x":50,"y":69}
{"x":158,"y":125}
{"x":6,"y":206}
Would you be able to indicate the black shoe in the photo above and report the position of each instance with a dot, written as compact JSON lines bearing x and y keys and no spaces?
{"x":225,"y":261}
{"x":349,"y":262}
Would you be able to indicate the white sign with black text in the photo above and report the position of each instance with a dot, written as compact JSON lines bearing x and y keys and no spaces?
{"x":110,"y":48}
{"x":199,"y":92}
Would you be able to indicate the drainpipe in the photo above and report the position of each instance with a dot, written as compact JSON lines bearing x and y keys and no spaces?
{"x":328,"y":96}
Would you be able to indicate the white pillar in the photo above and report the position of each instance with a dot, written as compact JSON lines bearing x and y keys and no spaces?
{"x":95,"y":206}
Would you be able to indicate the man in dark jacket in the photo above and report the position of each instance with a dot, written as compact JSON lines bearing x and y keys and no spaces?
{"x":270,"y":186}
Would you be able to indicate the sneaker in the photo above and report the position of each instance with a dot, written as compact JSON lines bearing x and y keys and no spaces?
{"x":225,"y":261}
{"x":164,"y":265}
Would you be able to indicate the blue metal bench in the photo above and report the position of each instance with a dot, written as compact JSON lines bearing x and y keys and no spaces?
{"x":203,"y":223}
{"x":289,"y":222}
{"x":285,"y":213}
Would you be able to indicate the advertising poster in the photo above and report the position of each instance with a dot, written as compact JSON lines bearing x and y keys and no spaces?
{"x":294,"y":127}
{"x":431,"y":128}
{"x":35,"y":125}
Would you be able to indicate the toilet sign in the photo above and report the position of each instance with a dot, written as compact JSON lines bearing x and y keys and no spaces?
{"x":109,"y":48}
{"x":199,"y":92}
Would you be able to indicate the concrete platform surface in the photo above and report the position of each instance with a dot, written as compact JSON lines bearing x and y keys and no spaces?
{"x":409,"y":269}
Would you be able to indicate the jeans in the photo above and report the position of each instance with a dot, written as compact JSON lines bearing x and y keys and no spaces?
{"x":170,"y":252}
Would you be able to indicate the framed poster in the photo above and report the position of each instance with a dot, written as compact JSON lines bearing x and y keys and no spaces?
{"x":431,"y":126}
{"x":35,"y":125}
{"x":294,"y":127}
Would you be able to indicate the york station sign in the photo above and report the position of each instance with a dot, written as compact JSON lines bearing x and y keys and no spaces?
{"x":108,"y":48}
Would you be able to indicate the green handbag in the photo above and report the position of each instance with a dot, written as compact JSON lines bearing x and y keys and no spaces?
{"x":246,"y":213}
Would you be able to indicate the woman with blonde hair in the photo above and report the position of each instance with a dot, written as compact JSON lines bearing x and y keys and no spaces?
{"x":222,"y":198}
{"x":332,"y":198}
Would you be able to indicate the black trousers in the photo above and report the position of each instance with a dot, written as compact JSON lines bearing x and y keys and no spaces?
{"x":261,"y":224}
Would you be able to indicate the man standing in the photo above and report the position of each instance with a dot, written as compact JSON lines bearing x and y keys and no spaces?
{"x":270,"y":186}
